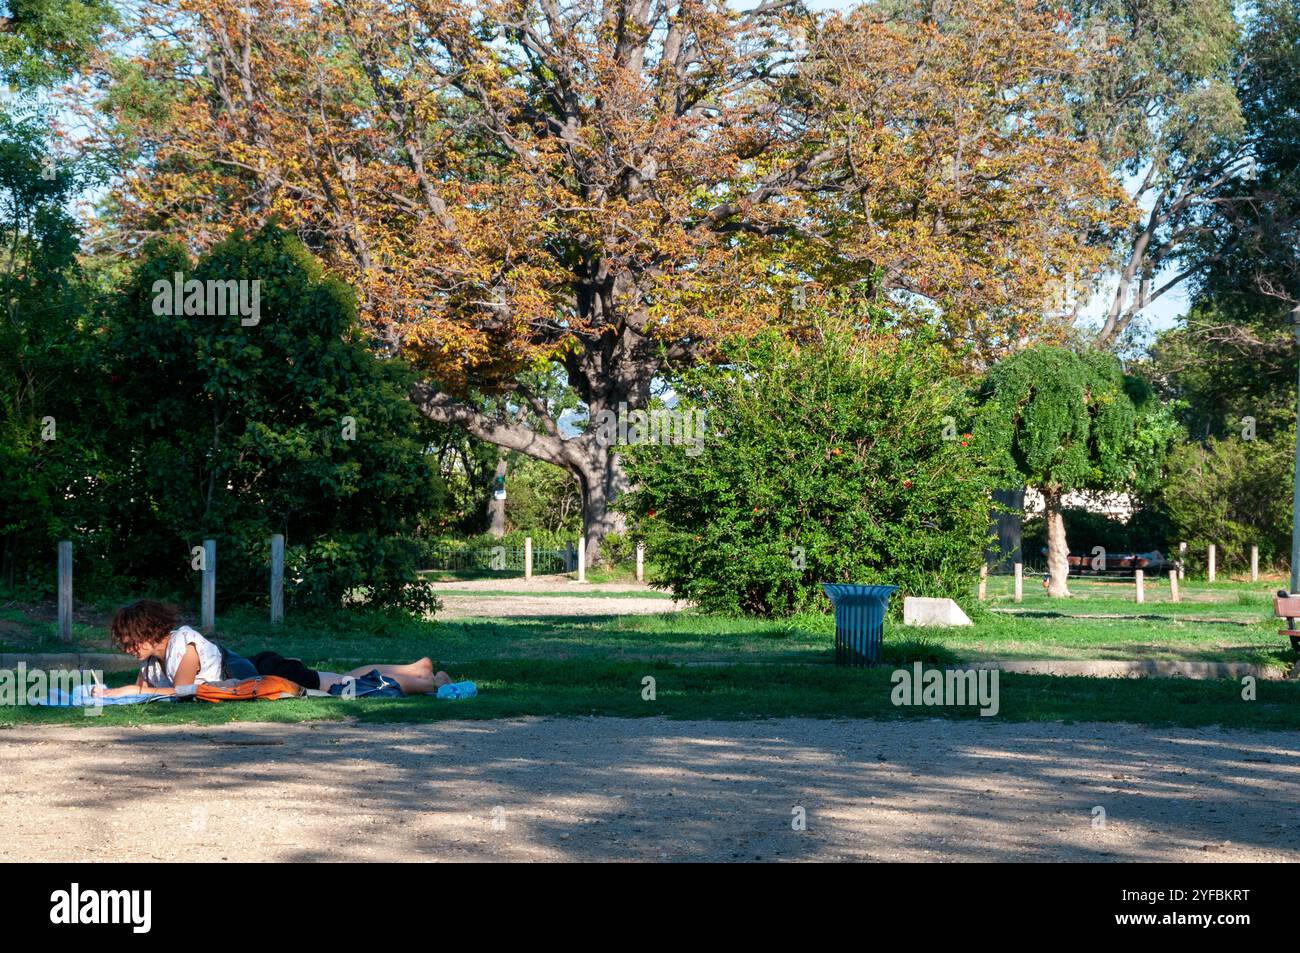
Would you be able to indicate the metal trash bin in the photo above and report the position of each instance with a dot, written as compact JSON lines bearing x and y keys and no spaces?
{"x":859,"y":622}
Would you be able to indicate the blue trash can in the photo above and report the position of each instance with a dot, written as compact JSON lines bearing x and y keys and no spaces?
{"x":859,"y":622}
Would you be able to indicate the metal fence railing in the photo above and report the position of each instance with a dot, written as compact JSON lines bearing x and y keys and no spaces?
{"x":500,"y":559}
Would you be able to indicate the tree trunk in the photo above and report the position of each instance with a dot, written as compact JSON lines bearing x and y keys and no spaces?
{"x":610,"y":370}
{"x":601,"y":484}
{"x":592,"y":459}
{"x":1058,"y":550}
{"x":497,"y":508}
{"x":9,"y":559}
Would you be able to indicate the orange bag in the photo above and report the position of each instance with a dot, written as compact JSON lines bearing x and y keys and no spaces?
{"x":262,"y":688}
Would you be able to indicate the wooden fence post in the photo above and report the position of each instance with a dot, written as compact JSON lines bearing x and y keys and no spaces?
{"x":528,"y":558}
{"x":640,"y":562}
{"x":582,"y":558}
{"x":984,"y":582}
{"x":1210,"y":565}
{"x":1020,"y":581}
{"x":1139,"y":578}
{"x":1254,"y":564}
{"x":208,"y":611}
{"x":277,"y":579}
{"x":1173,"y":584}
{"x":65,"y":590}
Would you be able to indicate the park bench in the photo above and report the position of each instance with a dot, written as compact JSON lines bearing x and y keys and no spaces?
{"x":1118,"y":566}
{"x":1287,"y":606}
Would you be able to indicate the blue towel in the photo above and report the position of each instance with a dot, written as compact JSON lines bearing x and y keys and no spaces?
{"x":458,"y":690}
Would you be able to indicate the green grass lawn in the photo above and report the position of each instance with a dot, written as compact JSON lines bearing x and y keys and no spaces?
{"x":1226,"y":622}
{"x":713,"y":667}
{"x":744,"y":692}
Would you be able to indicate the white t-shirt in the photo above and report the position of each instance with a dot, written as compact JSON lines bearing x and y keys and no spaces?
{"x":160,"y":675}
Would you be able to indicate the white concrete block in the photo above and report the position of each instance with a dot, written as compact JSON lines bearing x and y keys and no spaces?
{"x":921,"y":611}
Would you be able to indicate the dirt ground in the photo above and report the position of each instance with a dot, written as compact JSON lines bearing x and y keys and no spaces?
{"x":648,"y":789}
{"x":461,"y":600}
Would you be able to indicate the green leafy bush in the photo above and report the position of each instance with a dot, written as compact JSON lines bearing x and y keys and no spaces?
{"x":234,"y":432}
{"x":617,"y":549}
{"x":1234,"y":493}
{"x":838,"y":460}
{"x":359,"y":568}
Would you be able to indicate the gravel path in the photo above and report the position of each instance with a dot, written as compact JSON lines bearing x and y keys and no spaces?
{"x":544,"y":596}
{"x":648,"y":789}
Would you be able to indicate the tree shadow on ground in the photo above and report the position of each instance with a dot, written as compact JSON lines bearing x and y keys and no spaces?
{"x":629,"y":789}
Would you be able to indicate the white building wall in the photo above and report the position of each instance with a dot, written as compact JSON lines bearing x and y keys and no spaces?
{"x":1115,"y":505}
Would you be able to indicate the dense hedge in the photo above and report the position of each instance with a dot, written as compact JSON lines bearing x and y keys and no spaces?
{"x":1234,"y":493}
{"x":838,"y":460}
{"x":181,"y":427}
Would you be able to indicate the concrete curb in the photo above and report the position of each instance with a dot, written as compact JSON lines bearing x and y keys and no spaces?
{"x":1110,"y":668}
{"x":85,"y":661}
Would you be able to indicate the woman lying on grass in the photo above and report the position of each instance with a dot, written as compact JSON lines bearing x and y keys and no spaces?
{"x":176,"y":656}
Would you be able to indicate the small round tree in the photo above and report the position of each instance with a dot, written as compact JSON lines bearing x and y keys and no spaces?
{"x":1059,"y":421}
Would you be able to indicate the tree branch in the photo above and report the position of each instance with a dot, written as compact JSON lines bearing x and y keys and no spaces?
{"x":444,"y":409}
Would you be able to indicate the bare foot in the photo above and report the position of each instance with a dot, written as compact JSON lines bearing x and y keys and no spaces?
{"x":442,"y":678}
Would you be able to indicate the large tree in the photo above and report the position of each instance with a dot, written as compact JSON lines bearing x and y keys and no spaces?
{"x":1234,"y":354}
{"x":1160,"y":100}
{"x":1253,"y":270}
{"x":614,"y":186}
{"x":42,"y":41}
{"x":233,"y":430}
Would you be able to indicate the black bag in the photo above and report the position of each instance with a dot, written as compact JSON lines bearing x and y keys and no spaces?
{"x":369,"y":685}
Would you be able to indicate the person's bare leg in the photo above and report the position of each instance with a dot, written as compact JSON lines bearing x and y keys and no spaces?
{"x":328,"y":680}
{"x":412,"y":685}
{"x":423,"y":668}
{"x":418,"y":678}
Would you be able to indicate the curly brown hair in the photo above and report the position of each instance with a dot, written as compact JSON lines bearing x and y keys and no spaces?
{"x":141,"y":623}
